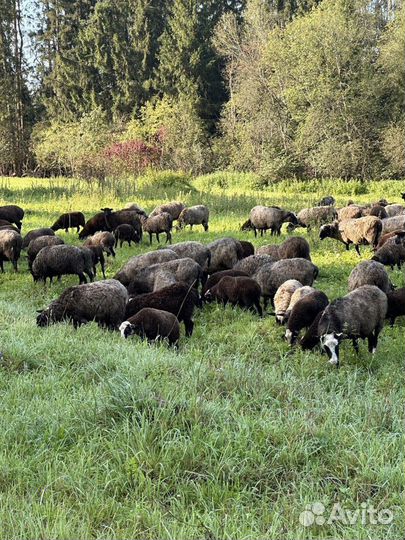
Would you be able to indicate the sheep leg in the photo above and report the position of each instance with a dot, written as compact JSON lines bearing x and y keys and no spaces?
{"x":168,"y":237}
{"x":150,"y":238}
{"x":1,"y":266}
{"x":205,"y":225}
{"x":91,"y":275}
{"x":259,"y":308}
{"x":355,"y":345}
{"x":392,"y":321}
{"x":157,"y":238}
{"x":78,"y":228}
{"x":357,"y":248}
{"x":82,"y":278}
{"x":102,"y":269}
{"x":15,"y":265}
{"x":116,"y":242}
{"x":189,"y":326}
{"x":112,"y":252}
{"x":347,"y":246}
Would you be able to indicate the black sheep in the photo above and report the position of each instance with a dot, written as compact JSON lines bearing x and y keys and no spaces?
{"x":240,"y":290}
{"x":68,"y":221}
{"x":311,"y":337}
{"x":36,"y":233}
{"x":152,"y":324}
{"x":247,"y":248}
{"x":396,"y":304}
{"x":217,"y":276}
{"x":125,"y":233}
{"x":13,"y":214}
{"x":303,"y":314}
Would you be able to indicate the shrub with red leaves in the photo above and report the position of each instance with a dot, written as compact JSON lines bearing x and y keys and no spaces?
{"x":131,"y":157}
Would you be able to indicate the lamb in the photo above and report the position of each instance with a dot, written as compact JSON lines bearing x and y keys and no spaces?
{"x":283,"y":296}
{"x":390,"y":237}
{"x":173,"y":208}
{"x":297,"y":295}
{"x":10,"y":248}
{"x":179,"y":299}
{"x":97,"y":256}
{"x":13,"y":214}
{"x":160,"y":223}
{"x":250,"y":265}
{"x":293,"y":247}
{"x":271,"y":276}
{"x":215,"y":278}
{"x":393,"y":224}
{"x":161,"y":275}
{"x":101,"y":301}
{"x":317,"y":215}
{"x":390,"y":254}
{"x":365,"y":230}
{"x":358,"y":315}
{"x":195,"y":215}
{"x":59,"y":260}
{"x":129,"y":271}
{"x":270,"y":217}
{"x":370,"y":273}
{"x":396,"y":304}
{"x":36,"y":233}
{"x":107,"y":220}
{"x":197,"y":251}
{"x":69,"y":221}
{"x":395,"y":210}
{"x":152,"y":324}
{"x":327,"y":201}
{"x":239,"y":290}
{"x":353,"y":211}
{"x":103,"y":239}
{"x":304,"y":313}
{"x":247,"y":248}
{"x":225,"y":253}
{"x":125,"y":233}
{"x":37,"y":244}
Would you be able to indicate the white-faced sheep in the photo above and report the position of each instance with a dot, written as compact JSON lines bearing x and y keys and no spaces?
{"x":225,"y":253}
{"x":68,"y":221}
{"x":283,"y":296}
{"x":131,"y":268}
{"x":361,"y":231}
{"x":36,"y":233}
{"x":125,"y":233}
{"x":13,"y":214}
{"x":102,"y":301}
{"x":160,"y":223}
{"x":195,"y":215}
{"x":60,"y":260}
{"x":173,"y":208}
{"x":239,"y":291}
{"x":10,"y":248}
{"x":37,"y":244}
{"x":263,"y":218}
{"x":104,"y":239}
{"x":304,"y":313}
{"x":390,"y":254}
{"x":370,"y":273}
{"x":152,"y":324}
{"x":293,"y":247}
{"x":358,"y":315}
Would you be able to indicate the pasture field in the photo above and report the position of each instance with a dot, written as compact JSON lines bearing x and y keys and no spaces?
{"x":231,"y":436}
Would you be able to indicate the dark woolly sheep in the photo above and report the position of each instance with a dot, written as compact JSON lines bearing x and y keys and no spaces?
{"x":125,"y":233}
{"x":395,"y":210}
{"x":61,"y":260}
{"x":37,"y":244}
{"x":239,"y":291}
{"x":225,"y":253}
{"x":396,"y":304}
{"x":68,"y":221}
{"x":12,"y":214}
{"x":97,"y":255}
{"x":263,"y":218}
{"x":197,"y":251}
{"x":152,"y":324}
{"x":296,"y":297}
{"x":247,"y":248}
{"x":36,"y":233}
{"x":311,"y":337}
{"x":246,"y":226}
{"x":173,"y":208}
{"x":103,"y":239}
{"x":10,"y":248}
{"x":9,"y":228}
{"x":103,"y":302}
{"x":358,"y":315}
{"x":292,"y":248}
{"x":327,"y":201}
{"x":376,"y":210}
{"x":179,"y":299}
{"x":215,"y":278}
{"x":161,"y":223}
{"x":131,"y":268}
{"x":361,"y":231}
{"x":250,"y":265}
{"x":135,"y":208}
{"x":370,"y":273}
{"x":195,"y":215}
{"x":107,"y":220}
{"x":388,"y":237}
{"x":390,"y":254}
{"x":5,"y":223}
{"x":304,"y":313}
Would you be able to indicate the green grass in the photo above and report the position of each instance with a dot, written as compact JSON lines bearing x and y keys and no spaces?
{"x":232,"y":436}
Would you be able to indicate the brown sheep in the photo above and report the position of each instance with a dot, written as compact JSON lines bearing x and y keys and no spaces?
{"x":10,"y":248}
{"x":125,"y":233}
{"x":152,"y":324}
{"x":239,"y":290}
{"x":360,"y":231}
{"x":103,"y":239}
{"x":293,"y":247}
{"x":37,"y":244}
{"x":36,"y":233}
{"x":160,"y":223}
{"x":173,"y":208}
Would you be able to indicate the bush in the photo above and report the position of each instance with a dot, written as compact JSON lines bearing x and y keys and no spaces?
{"x":164,"y":180}
{"x":130,"y":157}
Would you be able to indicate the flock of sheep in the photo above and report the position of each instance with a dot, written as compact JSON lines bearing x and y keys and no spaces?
{"x":153,"y":293}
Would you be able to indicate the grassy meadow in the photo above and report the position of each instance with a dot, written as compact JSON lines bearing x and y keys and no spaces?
{"x":230,"y":437}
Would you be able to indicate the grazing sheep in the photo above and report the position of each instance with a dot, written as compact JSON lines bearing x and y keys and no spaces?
{"x":271,"y":250}
{"x":179,"y":299}
{"x":238,"y":291}
{"x":283,"y":296}
{"x":37,"y":244}
{"x":297,"y":295}
{"x":102,"y":301}
{"x":246,"y":226}
{"x":250,"y":265}
{"x":195,"y":215}
{"x":107,"y":220}
{"x":303,"y":314}
{"x":152,"y":324}
{"x":36,"y":233}
{"x":311,"y":337}
{"x":10,"y":248}
{"x":247,"y":248}
{"x":136,"y":208}
{"x":125,"y":233}
{"x":395,"y":210}
{"x":270,"y":217}
{"x":393,"y":224}
{"x":370,"y":273}
{"x":129,"y":271}
{"x":103,"y":239}
{"x":69,"y":221}
{"x":60,"y":260}
{"x":327,"y":201}
{"x":173,"y":208}
{"x":12,"y":214}
{"x":215,"y":278}
{"x":97,"y":256}
{"x":225,"y":253}
{"x":353,"y":211}
{"x":271,"y":276}
{"x":292,"y":248}
{"x":358,"y":315}
{"x":390,"y":254}
{"x":389,"y":237}
{"x":396,"y":304}
{"x":197,"y":251}
{"x":315,"y":216}
{"x":361,"y":231}
{"x":161,"y":275}
{"x":160,"y":223}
